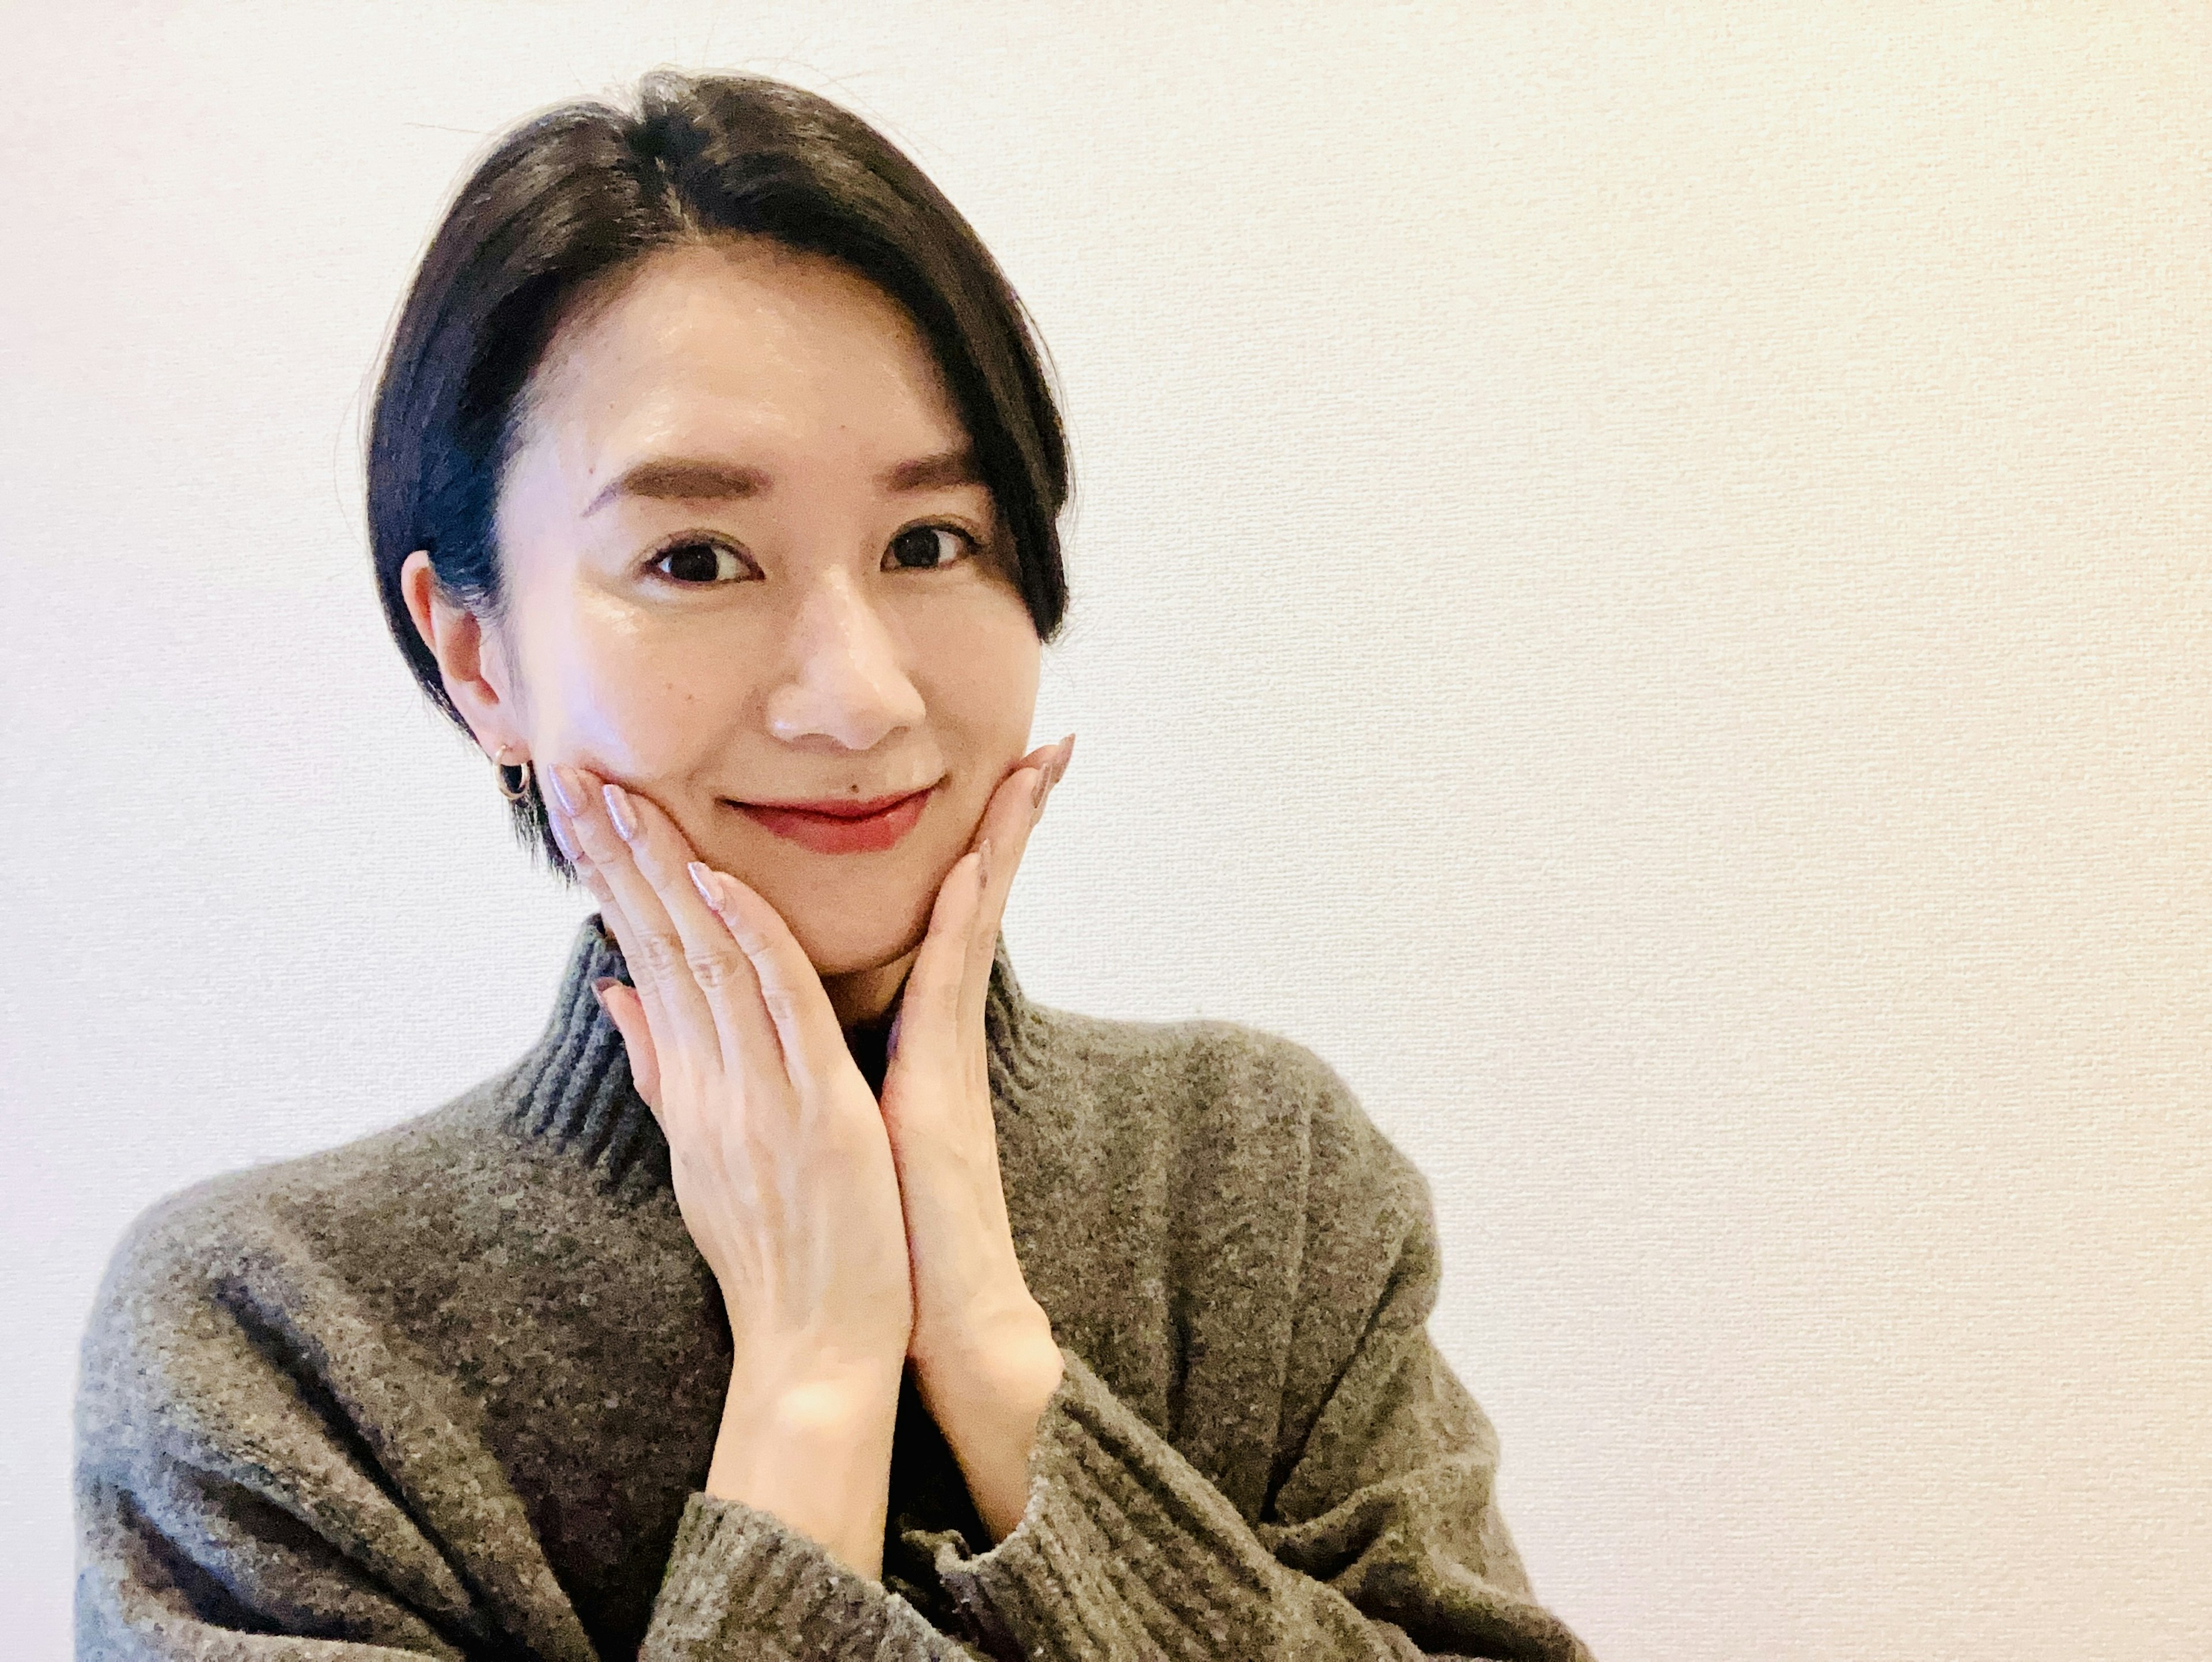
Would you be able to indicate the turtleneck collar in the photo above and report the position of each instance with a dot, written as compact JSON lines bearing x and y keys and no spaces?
{"x":573,"y":1088}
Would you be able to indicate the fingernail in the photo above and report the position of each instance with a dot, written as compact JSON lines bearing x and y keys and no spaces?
{"x":599,"y":992}
{"x":983,"y":864}
{"x":568,"y":788}
{"x":619,"y":810}
{"x":1039,"y":787}
{"x":556,"y":822}
{"x":1066,"y":750}
{"x":703,"y":880}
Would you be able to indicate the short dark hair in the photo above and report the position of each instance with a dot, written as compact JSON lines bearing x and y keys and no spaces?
{"x":573,"y":195}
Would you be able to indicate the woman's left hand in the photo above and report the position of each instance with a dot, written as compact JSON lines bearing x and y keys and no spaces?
{"x":983,"y":1352}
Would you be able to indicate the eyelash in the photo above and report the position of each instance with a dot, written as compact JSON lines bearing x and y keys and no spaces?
{"x":697,"y":539}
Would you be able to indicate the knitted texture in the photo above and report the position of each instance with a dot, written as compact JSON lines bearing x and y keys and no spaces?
{"x":453,"y":1390}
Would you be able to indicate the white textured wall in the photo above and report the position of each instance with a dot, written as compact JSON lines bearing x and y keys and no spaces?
{"x":1641,"y":584}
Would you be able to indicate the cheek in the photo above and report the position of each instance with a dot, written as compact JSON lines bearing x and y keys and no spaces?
{"x":637,"y":704}
{"x":982,"y":692}
{"x":981,"y":668}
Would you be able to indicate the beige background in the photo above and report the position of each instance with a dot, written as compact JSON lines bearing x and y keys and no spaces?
{"x":1641,"y":584}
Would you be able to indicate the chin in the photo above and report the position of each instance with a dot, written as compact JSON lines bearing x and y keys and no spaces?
{"x":849,"y":938}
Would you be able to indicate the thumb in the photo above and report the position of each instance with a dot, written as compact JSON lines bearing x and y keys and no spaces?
{"x":626,"y":1011}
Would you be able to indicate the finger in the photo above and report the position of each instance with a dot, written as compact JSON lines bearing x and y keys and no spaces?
{"x":587,"y":871}
{"x":950,"y":983}
{"x":618,"y":925}
{"x":625,"y":1005}
{"x":1022,"y":816}
{"x":651,"y":944}
{"x":716,"y":965}
{"x":1007,"y":826}
{"x":805,"y":1022}
{"x":926,"y":1029}
{"x":628,"y":1014}
{"x":611,"y":911}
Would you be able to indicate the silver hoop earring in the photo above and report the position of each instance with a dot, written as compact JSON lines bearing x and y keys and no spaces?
{"x":500,"y":764}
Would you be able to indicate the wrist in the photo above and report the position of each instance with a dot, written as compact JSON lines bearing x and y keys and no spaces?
{"x":996,"y":1340}
{"x":816,"y":1455}
{"x":989,"y":1385}
{"x":989,"y":1413}
{"x":816,"y":1402}
{"x":992,"y":1388}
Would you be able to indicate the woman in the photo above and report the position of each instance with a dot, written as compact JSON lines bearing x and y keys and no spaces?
{"x":805,"y":1291}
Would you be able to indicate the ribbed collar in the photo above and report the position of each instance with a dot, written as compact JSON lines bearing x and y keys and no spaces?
{"x":573,"y":1088}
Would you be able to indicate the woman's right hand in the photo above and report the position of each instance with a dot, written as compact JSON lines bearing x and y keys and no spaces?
{"x":781,"y":1165}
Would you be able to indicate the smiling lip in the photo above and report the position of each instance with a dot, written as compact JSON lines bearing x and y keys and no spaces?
{"x":837,"y":807}
{"x":840,"y":825}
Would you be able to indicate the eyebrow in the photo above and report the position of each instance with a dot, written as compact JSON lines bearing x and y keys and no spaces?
{"x":691,"y":478}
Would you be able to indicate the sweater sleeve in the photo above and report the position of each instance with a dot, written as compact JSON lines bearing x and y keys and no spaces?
{"x":741,"y":1585}
{"x":261,"y":1477}
{"x":264,"y":1474}
{"x":1382,"y":1539}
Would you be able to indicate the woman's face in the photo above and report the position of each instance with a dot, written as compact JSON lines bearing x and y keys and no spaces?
{"x":749,"y":563}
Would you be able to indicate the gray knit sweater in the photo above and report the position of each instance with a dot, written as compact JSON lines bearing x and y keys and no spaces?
{"x":452,"y":1391}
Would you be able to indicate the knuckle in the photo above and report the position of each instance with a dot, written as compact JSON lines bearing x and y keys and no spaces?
{"x":715,"y":968}
{"x":595,"y":837}
{"x":663,"y":954}
{"x":748,"y":934}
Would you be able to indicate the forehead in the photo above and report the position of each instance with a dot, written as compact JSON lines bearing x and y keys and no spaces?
{"x":739,"y":349}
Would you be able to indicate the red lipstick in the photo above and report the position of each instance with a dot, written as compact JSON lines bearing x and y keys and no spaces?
{"x":842,"y":824}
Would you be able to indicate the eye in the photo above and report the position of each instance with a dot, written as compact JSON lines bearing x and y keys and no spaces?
{"x":698,"y":560}
{"x":931,"y":547}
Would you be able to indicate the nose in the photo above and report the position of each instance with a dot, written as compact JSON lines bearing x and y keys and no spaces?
{"x":843,"y":683}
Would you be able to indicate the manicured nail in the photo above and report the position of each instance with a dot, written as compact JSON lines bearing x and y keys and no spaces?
{"x":568,"y":788}
{"x":1067,"y":751}
{"x":557,"y":823}
{"x":984,"y":862}
{"x":619,"y":810}
{"x":703,"y":880}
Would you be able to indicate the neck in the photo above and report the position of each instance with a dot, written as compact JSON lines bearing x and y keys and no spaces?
{"x":865,"y":1001}
{"x":865,"y":998}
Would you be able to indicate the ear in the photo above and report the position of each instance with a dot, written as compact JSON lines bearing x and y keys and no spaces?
{"x":470,"y":660}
